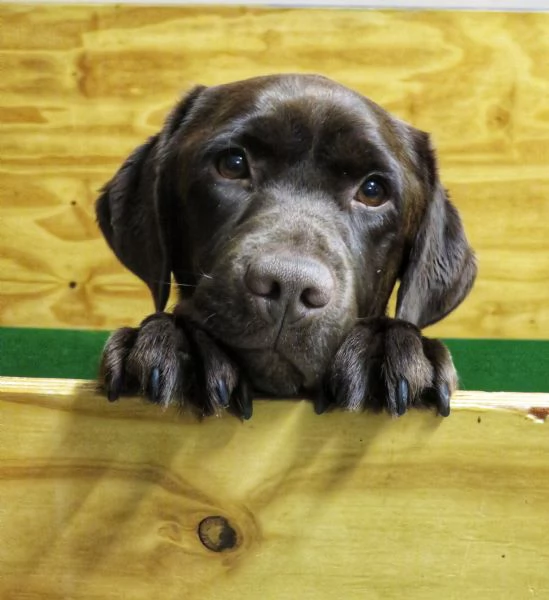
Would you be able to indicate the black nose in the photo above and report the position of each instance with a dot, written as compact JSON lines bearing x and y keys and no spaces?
{"x":292,"y":286}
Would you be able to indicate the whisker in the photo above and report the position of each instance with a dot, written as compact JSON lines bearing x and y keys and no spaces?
{"x":192,"y":285}
{"x":197,"y":275}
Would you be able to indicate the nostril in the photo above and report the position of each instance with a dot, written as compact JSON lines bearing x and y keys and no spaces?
{"x":263,"y":284}
{"x":313,"y":297}
{"x":274,"y":292}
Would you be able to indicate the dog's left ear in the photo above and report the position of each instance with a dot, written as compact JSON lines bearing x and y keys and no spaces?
{"x":440,"y":268}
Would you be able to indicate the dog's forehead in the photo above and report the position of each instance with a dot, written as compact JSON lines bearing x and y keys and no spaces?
{"x":315,"y":94}
{"x":290,"y":111}
{"x":315,"y":102}
{"x":314,"y":97}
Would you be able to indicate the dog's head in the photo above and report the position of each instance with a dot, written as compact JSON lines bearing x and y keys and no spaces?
{"x":286,"y":208}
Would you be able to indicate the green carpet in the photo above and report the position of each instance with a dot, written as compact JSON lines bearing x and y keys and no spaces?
{"x":489,"y":365}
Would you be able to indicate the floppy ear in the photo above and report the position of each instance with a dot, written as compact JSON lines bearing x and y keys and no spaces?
{"x":135,"y":208}
{"x":441,"y":268}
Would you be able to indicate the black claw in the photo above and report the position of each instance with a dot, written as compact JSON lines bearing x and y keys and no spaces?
{"x":443,"y":400}
{"x":243,"y":400}
{"x":155,"y":385}
{"x":222,"y":394}
{"x":112,"y":393}
{"x":402,"y":394}
{"x":322,"y":401}
{"x":114,"y":387}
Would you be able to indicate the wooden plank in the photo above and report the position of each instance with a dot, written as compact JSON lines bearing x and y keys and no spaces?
{"x":81,"y":86}
{"x":105,"y":501}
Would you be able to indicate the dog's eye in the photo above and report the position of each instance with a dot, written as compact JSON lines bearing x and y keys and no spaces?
{"x":233,"y":165}
{"x":372,"y":192}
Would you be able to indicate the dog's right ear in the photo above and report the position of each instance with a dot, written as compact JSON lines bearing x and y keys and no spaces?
{"x":440,"y":268}
{"x":135,"y":207}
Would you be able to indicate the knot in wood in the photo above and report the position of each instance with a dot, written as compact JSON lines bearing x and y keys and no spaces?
{"x":217,"y":534}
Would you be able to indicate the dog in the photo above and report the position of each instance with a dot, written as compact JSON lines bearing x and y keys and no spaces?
{"x":286,"y":208}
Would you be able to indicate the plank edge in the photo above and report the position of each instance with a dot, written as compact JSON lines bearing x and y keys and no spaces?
{"x":533,"y":404}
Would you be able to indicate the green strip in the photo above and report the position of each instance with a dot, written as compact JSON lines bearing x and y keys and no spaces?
{"x":63,"y":353}
{"x":490,"y":365}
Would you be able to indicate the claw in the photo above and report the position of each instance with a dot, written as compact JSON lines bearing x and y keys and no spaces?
{"x":321,"y":401}
{"x":113,"y":393}
{"x":114,"y":387}
{"x":443,"y":400}
{"x":243,"y":400}
{"x":222,"y":393}
{"x":155,"y":385}
{"x":402,"y":397}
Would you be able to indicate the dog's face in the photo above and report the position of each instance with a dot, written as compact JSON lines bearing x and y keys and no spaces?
{"x":286,"y":208}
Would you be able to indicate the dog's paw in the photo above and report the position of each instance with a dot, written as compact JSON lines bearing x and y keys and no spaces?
{"x":168,"y":360}
{"x":386,"y":364}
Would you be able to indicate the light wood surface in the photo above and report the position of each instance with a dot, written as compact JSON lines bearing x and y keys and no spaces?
{"x":102,"y":501}
{"x":82,"y":86}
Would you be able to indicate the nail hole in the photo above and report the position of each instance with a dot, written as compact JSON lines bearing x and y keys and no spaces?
{"x":73,"y":202}
{"x":217,"y":534}
{"x":72,"y":284}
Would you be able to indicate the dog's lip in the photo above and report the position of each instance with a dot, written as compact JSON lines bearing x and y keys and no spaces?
{"x":269,"y":334}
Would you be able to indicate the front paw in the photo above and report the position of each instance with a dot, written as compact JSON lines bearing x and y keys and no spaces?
{"x":386,"y":364}
{"x":168,"y":360}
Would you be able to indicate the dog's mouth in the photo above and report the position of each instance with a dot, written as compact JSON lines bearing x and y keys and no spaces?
{"x":273,"y":373}
{"x":281,"y":353}
{"x":286,"y":362}
{"x":278,"y":360}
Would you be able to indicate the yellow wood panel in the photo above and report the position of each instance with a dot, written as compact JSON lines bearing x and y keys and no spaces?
{"x":102,"y":501}
{"x":81,"y":86}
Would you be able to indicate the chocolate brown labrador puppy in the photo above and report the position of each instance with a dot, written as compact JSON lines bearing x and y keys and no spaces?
{"x":286,"y":208}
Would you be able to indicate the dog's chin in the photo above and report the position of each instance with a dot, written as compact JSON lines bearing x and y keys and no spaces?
{"x":273,"y":374}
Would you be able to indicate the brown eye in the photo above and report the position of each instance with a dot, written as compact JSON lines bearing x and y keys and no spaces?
{"x":372,"y":192}
{"x":233,"y":165}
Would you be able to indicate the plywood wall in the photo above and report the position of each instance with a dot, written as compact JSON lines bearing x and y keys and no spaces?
{"x":81,"y":86}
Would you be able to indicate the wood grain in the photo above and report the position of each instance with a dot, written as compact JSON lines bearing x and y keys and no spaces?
{"x":82,"y":86}
{"x":105,"y":501}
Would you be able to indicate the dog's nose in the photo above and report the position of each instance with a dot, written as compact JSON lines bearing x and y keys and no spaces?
{"x":292,"y":286}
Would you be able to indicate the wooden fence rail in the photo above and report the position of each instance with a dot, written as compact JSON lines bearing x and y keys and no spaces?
{"x":111,"y":501}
